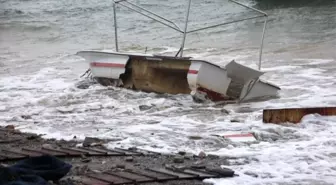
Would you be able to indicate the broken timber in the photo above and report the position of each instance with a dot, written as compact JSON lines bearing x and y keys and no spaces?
{"x":120,"y":174}
{"x":135,"y":175}
{"x":294,"y":115}
{"x":22,"y":153}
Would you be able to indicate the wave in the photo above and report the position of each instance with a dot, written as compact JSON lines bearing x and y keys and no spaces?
{"x":76,"y":10}
{"x":11,"y":12}
{"x":27,"y":26}
{"x":270,"y":4}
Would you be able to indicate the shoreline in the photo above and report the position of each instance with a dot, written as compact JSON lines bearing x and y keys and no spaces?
{"x":81,"y":165}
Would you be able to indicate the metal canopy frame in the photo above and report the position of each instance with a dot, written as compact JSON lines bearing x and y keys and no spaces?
{"x":174,"y":26}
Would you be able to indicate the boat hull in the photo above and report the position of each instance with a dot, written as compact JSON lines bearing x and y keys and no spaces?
{"x":178,"y":75}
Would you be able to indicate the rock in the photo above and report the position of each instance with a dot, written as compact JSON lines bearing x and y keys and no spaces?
{"x":85,"y":83}
{"x":81,"y":169}
{"x":153,"y":122}
{"x":188,"y":156}
{"x":26,"y":117}
{"x":86,"y":160}
{"x":234,"y":121}
{"x":201,"y":155}
{"x":10,"y":127}
{"x":195,"y":137}
{"x":251,"y":174}
{"x":154,"y":146}
{"x":175,"y":167}
{"x":95,"y":171}
{"x":332,"y":154}
{"x":91,"y":141}
{"x":198,"y":166}
{"x":129,"y":159}
{"x":144,"y":107}
{"x":225,"y":111}
{"x":212,"y":156}
{"x":178,"y":159}
{"x":120,"y":166}
{"x":182,"y":152}
{"x":134,"y":149}
{"x":224,"y":172}
{"x":47,"y":146}
{"x":65,"y":110}
{"x":32,"y":137}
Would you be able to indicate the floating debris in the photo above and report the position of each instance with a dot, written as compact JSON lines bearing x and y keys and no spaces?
{"x":240,"y":137}
{"x":294,"y":115}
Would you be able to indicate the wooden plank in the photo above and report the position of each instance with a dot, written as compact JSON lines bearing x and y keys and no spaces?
{"x":64,"y":151}
{"x":24,"y":153}
{"x":132,"y":176}
{"x":200,"y":173}
{"x":54,"y":153}
{"x":86,"y":152}
{"x":294,"y":115}
{"x":9,"y":141}
{"x":88,"y":181}
{"x":104,"y":151}
{"x":12,"y":156}
{"x":222,"y":172}
{"x":126,"y":152}
{"x":178,"y":175}
{"x":152,"y":174}
{"x":110,"y":179}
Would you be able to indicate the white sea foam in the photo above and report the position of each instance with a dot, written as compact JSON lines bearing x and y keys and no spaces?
{"x":49,"y":103}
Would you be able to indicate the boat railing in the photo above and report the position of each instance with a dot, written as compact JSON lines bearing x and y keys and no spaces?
{"x":184,"y":31}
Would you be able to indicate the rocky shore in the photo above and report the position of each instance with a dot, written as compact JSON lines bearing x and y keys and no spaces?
{"x":12,"y":139}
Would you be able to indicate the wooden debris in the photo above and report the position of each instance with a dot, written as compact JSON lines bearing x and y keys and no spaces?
{"x":294,"y":115}
{"x":240,"y":137}
{"x":10,"y":127}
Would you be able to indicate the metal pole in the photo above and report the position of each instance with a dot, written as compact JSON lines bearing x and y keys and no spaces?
{"x":185,"y":28}
{"x":213,"y":26}
{"x":115,"y":26}
{"x":154,"y":14}
{"x":150,"y":17}
{"x":249,"y":7}
{"x":262,"y":43}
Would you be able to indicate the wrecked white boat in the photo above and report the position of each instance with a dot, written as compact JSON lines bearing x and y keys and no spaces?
{"x":177,"y":74}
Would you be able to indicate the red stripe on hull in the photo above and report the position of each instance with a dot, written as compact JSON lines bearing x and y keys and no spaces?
{"x":102,"y":64}
{"x":193,"y":72}
{"x":214,"y":96}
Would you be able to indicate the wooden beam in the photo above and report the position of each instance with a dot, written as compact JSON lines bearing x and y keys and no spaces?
{"x":294,"y":115}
